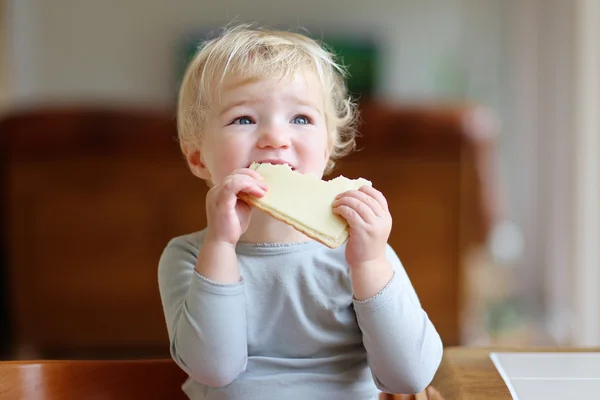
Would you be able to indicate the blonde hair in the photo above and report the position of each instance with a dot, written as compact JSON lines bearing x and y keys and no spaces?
{"x":259,"y":53}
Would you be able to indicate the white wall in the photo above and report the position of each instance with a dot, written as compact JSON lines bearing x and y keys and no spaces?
{"x":113,"y":50}
{"x":557,"y":72}
{"x":4,"y":88}
{"x":585,"y":230}
{"x":543,"y":68}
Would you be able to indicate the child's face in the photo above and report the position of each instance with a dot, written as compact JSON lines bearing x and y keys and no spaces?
{"x":267,"y":120}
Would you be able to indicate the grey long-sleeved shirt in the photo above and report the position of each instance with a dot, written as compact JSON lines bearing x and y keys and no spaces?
{"x":291,"y":329}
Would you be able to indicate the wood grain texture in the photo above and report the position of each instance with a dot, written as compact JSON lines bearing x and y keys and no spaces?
{"x":469,"y":373}
{"x":66,"y":380}
{"x":106,"y":379}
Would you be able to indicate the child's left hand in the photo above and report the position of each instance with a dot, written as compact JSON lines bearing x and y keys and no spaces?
{"x":370,"y":224}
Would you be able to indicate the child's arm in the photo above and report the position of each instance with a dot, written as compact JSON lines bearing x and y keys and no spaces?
{"x":403,"y":346}
{"x":202,"y":291}
{"x":404,"y":349}
{"x":206,"y":321}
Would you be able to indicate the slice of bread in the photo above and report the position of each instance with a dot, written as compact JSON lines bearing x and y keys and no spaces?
{"x":304,"y":201}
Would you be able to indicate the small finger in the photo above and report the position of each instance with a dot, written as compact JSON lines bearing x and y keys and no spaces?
{"x":375,"y":194}
{"x":366,"y":207}
{"x":254,"y":191}
{"x":238,"y":184}
{"x":367,"y":197}
{"x":247,"y":172}
{"x":349,"y":214}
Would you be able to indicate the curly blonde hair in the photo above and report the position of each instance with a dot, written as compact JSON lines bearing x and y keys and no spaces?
{"x":259,"y":53}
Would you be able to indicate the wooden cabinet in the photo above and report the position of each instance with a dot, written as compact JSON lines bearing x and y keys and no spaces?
{"x":91,"y":197}
{"x":435,"y":167}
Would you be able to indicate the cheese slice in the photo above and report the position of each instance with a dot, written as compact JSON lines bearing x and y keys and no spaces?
{"x":305,"y":201}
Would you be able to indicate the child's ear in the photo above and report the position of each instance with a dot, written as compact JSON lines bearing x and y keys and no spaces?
{"x":196,"y":163}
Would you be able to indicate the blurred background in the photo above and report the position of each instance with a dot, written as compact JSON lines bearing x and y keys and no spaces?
{"x":480,"y":123}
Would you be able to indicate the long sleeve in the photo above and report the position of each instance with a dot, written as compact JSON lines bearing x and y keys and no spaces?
{"x":403,"y":347}
{"x":206,"y":321}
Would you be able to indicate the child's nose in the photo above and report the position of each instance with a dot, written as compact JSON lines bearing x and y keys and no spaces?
{"x":274,"y":138}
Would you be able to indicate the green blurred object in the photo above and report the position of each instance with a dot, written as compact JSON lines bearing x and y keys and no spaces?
{"x":359,"y":55}
{"x":504,"y":315}
{"x":361,"y":59}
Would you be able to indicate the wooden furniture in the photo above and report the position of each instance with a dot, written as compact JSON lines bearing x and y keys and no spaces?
{"x":104,"y":379}
{"x":66,"y":380}
{"x":469,"y":373}
{"x":430,"y":393}
{"x":93,"y":196}
{"x":435,"y":166}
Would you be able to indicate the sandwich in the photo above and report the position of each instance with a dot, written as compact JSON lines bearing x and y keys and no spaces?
{"x":304,"y":201}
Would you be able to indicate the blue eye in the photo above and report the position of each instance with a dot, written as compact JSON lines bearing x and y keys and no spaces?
{"x":242,"y":121}
{"x":301,"y":120}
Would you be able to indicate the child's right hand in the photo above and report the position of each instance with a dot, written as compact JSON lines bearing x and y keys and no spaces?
{"x":227,"y":216}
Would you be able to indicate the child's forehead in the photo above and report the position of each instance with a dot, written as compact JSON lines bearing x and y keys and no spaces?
{"x":299,"y":85}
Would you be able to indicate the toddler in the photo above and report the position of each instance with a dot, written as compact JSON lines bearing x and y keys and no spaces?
{"x":255,"y":309}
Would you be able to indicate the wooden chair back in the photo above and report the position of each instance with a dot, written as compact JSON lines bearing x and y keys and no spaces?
{"x":97,"y":379}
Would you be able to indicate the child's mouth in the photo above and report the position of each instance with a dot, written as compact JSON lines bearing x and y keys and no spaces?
{"x":275,"y":162}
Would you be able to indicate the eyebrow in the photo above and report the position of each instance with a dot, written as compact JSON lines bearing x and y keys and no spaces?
{"x":237,"y":104}
{"x":309,"y":104}
{"x":244,"y":102}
